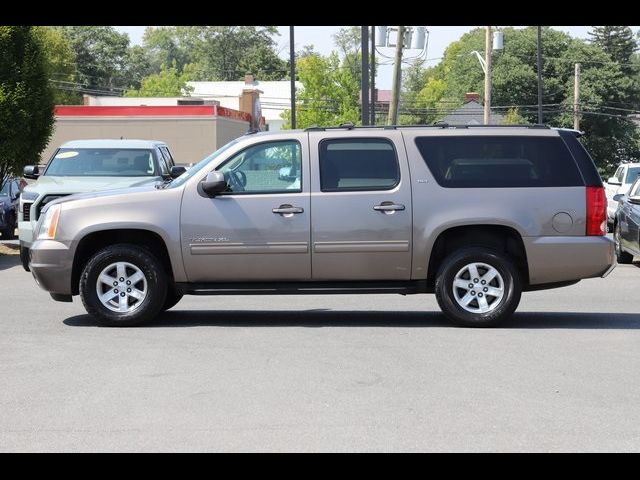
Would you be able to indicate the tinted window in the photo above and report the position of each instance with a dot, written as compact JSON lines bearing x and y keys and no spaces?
{"x":634,"y":191}
{"x":164,"y":162}
{"x":632,"y":174}
{"x":499,"y":161}
{"x":271,"y":167}
{"x":360,"y":164}
{"x":167,"y":156}
{"x":102,"y":162}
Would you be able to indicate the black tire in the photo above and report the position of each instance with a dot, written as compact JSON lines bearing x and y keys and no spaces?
{"x":9,"y":233}
{"x":501,"y":309}
{"x":142,"y":259}
{"x":24,"y":258}
{"x":172,"y":298}
{"x":621,"y":256}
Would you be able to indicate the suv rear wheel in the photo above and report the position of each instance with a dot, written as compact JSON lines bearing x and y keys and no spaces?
{"x":478,"y":287}
{"x":123,"y":285}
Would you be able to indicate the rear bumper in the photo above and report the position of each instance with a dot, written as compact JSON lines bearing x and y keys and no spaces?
{"x":563,"y":259}
{"x":51,"y":265}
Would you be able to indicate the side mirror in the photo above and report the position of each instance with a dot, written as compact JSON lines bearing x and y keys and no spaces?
{"x":214,"y":183}
{"x":175,"y":171}
{"x":31,"y":171}
{"x":617,"y":197}
{"x":613,"y":181}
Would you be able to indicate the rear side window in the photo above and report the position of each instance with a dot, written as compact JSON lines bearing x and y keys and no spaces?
{"x":632,"y":174}
{"x":358,"y":164}
{"x":499,"y":161}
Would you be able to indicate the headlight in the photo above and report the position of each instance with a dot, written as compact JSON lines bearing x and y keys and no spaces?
{"x":49,"y":223}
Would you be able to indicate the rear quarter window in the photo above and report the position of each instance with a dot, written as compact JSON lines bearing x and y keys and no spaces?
{"x":499,"y":161}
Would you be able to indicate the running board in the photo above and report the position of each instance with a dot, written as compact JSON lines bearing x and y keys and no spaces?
{"x":301,"y":288}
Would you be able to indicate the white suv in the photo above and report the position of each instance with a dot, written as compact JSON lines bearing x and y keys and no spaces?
{"x":621,"y":181}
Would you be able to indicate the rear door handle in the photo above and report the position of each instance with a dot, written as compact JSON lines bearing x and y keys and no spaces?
{"x":388,"y":207}
{"x":287,"y":209}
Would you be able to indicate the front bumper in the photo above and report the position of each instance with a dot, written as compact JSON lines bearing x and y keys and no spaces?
{"x":25,"y":233}
{"x":51,"y":264}
{"x":561,"y":259}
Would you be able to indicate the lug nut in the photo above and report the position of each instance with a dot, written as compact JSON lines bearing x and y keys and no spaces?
{"x":473,"y":293}
{"x":128,"y":290}
{"x":115,"y":284}
{"x":121,"y":279}
{"x":485,"y":289}
{"x":483,"y":282}
{"x":123,"y":294}
{"x":480,"y":294}
{"x":471,"y":285}
{"x":115,"y":291}
{"x":475,"y":280}
{"x":128,"y":282}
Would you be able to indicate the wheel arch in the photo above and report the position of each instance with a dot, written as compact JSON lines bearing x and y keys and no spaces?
{"x":500,"y":238}
{"x":97,"y":240}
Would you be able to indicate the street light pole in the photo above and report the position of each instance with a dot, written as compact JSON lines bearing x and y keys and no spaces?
{"x":487,"y":76}
{"x":397,"y":79}
{"x":364,"y":75}
{"x":292,"y":73}
{"x":540,"y":119}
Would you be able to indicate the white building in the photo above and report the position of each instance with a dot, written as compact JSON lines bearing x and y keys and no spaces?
{"x":275,"y":96}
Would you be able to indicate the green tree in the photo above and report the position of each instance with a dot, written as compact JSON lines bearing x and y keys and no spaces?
{"x":164,"y":46}
{"x":617,"y":42}
{"x":167,"y":83}
{"x":26,"y":99}
{"x":605,"y":86}
{"x":101,"y":57}
{"x":60,"y":64}
{"x":330,"y":95}
{"x":217,"y":52}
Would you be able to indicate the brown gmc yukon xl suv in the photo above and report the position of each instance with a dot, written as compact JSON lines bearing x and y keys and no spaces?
{"x":475,"y":215}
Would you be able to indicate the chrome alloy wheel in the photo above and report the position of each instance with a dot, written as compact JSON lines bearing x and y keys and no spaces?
{"x":478,"y":288}
{"x":121,"y":287}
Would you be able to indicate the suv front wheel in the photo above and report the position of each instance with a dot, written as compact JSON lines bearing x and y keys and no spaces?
{"x":478,"y":287}
{"x":123,"y":285}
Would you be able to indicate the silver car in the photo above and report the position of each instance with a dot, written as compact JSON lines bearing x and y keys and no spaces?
{"x":474,"y":215}
{"x":87,"y":166}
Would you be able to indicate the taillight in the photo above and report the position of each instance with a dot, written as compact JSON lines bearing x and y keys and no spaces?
{"x":596,"y":211}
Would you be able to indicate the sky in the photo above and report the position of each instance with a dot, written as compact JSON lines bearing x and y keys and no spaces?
{"x":322,"y":40}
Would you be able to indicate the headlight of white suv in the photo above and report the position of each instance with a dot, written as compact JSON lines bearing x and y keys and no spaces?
{"x":49,"y":223}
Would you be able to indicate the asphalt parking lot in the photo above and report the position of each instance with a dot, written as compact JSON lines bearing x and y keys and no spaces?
{"x":322,"y":373}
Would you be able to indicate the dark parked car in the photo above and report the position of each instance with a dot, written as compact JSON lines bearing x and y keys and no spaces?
{"x":9,"y":197}
{"x":626,"y":228}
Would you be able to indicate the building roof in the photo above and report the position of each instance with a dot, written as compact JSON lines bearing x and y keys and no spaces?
{"x":471,"y":113}
{"x":275,"y":96}
{"x":112,"y":143}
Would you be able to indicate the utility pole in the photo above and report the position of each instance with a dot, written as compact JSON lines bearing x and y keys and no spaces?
{"x":540,"y":119}
{"x":292,"y":73}
{"x":364,"y":74}
{"x":488,"y":47}
{"x":373,"y":75}
{"x":576,"y":98}
{"x":397,"y":79}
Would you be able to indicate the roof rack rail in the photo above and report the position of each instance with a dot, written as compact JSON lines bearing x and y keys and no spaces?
{"x":351,"y":126}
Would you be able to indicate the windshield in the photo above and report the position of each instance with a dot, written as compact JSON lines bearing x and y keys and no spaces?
{"x":102,"y":162}
{"x":200,"y":165}
{"x":632,"y":174}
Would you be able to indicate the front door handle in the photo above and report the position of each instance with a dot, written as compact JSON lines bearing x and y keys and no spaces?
{"x":388,"y":207}
{"x":287,"y":209}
